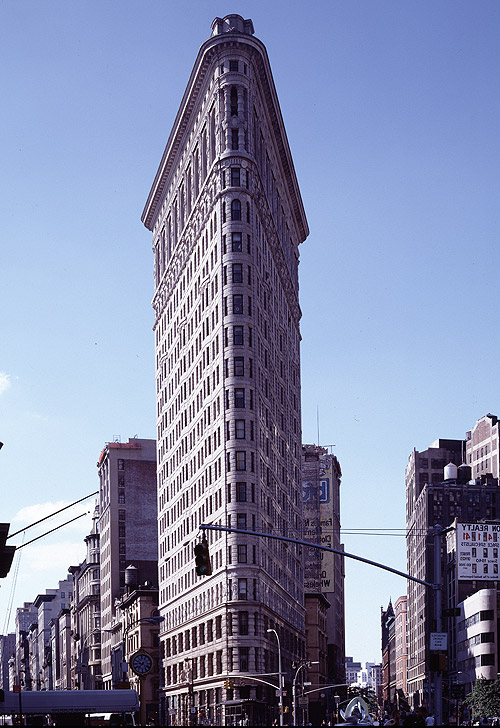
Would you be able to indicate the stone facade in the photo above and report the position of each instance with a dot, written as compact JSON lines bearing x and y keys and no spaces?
{"x":227,"y":219}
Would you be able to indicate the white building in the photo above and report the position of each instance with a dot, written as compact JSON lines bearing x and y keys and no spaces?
{"x":227,"y":219}
{"x":477,"y":638}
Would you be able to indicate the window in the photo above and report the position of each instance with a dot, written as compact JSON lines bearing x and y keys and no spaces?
{"x":121,"y":464}
{"x":241,"y":460}
{"x":121,"y":530}
{"x":241,"y":521}
{"x":121,"y":515}
{"x":121,"y":497}
{"x":235,"y":210}
{"x":239,"y":366}
{"x":237,"y":273}
{"x":235,"y":139}
{"x":239,"y":429}
{"x":241,"y":492}
{"x":242,"y":589}
{"x":236,"y":242}
{"x":234,"y":101}
{"x":235,"y":171}
{"x":233,"y":65}
{"x":239,"y":397}
{"x":238,"y":303}
{"x":242,"y":553}
{"x":243,"y":652}
{"x":238,"y":336}
{"x":243,"y":623}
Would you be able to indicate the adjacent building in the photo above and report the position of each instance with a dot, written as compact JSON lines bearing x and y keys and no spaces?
{"x":227,"y":219}
{"x":323,"y":574}
{"x":86,"y":614}
{"x":7,"y":650}
{"x":388,"y":628}
{"x":401,"y":646}
{"x":482,"y":447}
{"x":128,"y":534}
{"x":424,"y":509}
{"x":451,"y":483}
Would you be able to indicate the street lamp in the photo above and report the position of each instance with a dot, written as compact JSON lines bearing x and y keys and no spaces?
{"x":307,"y":663}
{"x":336,"y":697}
{"x":280,"y":676}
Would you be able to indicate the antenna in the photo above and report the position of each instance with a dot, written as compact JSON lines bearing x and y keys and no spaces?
{"x":317,"y":419}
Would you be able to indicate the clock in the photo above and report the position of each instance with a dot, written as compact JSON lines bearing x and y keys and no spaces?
{"x":141,"y":663}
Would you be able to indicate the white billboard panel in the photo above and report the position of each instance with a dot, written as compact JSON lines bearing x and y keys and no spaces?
{"x":477,"y":551}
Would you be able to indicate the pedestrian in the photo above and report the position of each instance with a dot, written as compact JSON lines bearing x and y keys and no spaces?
{"x":430,"y":720}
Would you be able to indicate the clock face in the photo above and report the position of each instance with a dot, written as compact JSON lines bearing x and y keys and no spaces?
{"x":141,"y":663}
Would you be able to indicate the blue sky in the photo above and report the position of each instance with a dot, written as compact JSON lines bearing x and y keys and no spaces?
{"x":392,"y":113}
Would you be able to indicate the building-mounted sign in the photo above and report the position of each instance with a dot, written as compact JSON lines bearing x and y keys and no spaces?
{"x":477,"y":551}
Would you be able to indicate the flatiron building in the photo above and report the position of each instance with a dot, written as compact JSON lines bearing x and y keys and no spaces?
{"x":227,"y":219}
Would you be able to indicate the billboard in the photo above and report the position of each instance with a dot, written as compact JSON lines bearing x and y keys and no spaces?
{"x":477,"y":551}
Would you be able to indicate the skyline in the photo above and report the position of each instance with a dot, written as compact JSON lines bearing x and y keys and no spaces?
{"x":392,"y":117}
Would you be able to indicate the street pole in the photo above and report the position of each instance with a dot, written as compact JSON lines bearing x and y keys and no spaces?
{"x":438,"y":677}
{"x":307,"y":663}
{"x":280,"y":675}
{"x":294,"y":693}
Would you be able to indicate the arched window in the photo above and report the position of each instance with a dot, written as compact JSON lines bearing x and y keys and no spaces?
{"x":235,"y":210}
{"x":234,"y":101}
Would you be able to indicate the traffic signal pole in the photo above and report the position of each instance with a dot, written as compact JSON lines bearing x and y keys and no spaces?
{"x":436,"y":587}
{"x":309,"y":544}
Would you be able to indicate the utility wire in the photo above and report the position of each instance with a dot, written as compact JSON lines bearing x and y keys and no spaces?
{"x":52,"y":514}
{"x":51,"y":531}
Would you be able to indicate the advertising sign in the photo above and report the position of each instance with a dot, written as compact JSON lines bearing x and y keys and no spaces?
{"x":477,"y":551}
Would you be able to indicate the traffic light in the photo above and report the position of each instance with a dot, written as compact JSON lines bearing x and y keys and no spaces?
{"x":202,"y":558}
{"x":6,"y":552}
{"x":228,"y":685}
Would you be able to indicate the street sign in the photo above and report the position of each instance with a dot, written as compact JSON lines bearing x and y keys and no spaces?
{"x":458,"y":691}
{"x":439,"y":641}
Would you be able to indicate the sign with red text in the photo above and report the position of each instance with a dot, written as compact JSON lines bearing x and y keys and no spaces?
{"x":477,"y":551}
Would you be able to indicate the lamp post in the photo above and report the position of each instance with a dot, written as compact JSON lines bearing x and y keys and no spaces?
{"x":307,"y":663}
{"x":336,"y":697}
{"x":280,"y":675}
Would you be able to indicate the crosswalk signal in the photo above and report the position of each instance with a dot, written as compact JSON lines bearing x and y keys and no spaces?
{"x":202,"y":558}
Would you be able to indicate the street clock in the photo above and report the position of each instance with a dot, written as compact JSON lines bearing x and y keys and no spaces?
{"x":141,"y":663}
